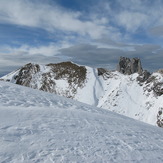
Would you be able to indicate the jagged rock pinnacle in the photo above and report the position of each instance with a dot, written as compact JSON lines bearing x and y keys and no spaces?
{"x":129,"y":66}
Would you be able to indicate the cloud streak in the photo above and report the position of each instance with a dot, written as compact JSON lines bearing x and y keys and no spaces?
{"x":48,"y":17}
{"x":103,"y":19}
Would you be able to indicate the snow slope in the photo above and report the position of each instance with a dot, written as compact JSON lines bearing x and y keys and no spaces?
{"x":124,"y":95}
{"x":39,"y":127}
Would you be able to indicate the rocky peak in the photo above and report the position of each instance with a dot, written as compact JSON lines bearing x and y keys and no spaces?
{"x":129,"y":66}
{"x":25,"y":74}
{"x":46,"y":77}
{"x":73,"y":73}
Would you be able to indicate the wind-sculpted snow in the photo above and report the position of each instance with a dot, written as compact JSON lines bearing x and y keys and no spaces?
{"x":38,"y":127}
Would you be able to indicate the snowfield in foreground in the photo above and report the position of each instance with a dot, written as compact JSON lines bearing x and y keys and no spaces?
{"x":38,"y":127}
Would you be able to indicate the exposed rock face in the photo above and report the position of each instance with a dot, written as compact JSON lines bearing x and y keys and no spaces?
{"x":158,"y":88}
{"x":25,"y":74}
{"x":101,"y":71}
{"x":143,"y":76}
{"x":74,"y":75}
{"x":104,"y":73}
{"x":160,"y":118}
{"x":32,"y":76}
{"x":129,"y":66}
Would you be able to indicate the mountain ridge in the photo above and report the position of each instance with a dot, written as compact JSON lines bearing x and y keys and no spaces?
{"x":130,"y":91}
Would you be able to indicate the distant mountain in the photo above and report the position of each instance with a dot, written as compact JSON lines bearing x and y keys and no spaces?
{"x":129,"y":90}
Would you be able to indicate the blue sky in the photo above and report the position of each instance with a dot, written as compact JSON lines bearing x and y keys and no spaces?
{"x":88,"y":32}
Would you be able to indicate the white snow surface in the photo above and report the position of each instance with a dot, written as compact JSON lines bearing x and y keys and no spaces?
{"x":125,"y":96}
{"x":39,"y":127}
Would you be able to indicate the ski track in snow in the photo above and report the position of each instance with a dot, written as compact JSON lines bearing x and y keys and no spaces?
{"x":38,"y":127}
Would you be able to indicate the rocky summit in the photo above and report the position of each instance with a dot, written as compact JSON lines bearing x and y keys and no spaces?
{"x":129,"y":66}
{"x":129,"y":90}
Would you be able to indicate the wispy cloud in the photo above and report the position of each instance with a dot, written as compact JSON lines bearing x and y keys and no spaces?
{"x":139,"y":15}
{"x":132,"y":21}
{"x":157,"y":31}
{"x":51,"y":49}
{"x":12,"y":58}
{"x":104,"y":19}
{"x":48,"y":17}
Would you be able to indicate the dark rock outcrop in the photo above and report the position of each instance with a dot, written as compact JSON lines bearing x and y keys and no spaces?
{"x":144,"y":76}
{"x":74,"y":74}
{"x":101,"y":71}
{"x":158,"y":88}
{"x":160,"y":117}
{"x":129,"y":66}
{"x":25,"y":74}
{"x":30,"y":75}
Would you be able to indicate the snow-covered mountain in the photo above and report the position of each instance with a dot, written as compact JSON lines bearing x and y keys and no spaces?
{"x":130,"y":90}
{"x":37,"y":126}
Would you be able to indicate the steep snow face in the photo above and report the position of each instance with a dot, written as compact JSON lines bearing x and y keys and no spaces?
{"x":124,"y":95}
{"x":92,"y":89}
{"x":129,"y":95}
{"x":36,"y":126}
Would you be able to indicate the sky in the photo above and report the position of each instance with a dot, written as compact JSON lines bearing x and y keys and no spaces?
{"x":88,"y":32}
